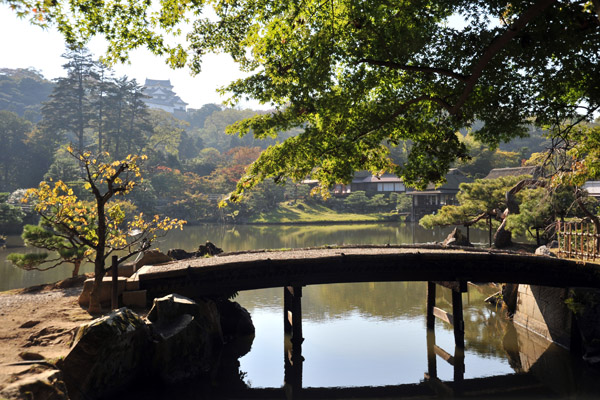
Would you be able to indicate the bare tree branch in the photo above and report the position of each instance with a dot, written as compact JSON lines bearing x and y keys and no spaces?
{"x":394,"y":65}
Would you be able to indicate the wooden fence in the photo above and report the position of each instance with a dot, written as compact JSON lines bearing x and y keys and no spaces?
{"x":577,"y":240}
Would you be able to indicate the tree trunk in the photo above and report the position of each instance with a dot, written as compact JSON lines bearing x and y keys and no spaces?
{"x":502,"y":237}
{"x":490,"y":229}
{"x":95,"y":307}
{"x":99,"y":270}
{"x":76,"y":266}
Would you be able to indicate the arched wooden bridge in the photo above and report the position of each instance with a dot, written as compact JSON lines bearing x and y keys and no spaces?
{"x":300,"y":267}
{"x":293,"y":269}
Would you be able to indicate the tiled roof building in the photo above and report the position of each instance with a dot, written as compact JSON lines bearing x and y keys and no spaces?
{"x":161,"y":96}
{"x":534,"y":171}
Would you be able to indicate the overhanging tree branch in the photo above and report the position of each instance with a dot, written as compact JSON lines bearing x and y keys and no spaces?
{"x":402,"y":108}
{"x":414,"y":68}
{"x":497,"y":44}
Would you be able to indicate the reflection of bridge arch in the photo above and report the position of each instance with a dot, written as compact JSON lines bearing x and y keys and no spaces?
{"x":294,"y":269}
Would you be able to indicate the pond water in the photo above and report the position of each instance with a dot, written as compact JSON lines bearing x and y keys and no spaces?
{"x":374,"y":335}
{"x":368,"y":336}
{"x":245,"y":237}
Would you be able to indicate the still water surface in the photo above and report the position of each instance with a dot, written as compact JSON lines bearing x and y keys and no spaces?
{"x":369,"y":334}
{"x":245,"y":237}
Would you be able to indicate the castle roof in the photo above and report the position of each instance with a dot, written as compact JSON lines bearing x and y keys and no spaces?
{"x":157,"y":82}
{"x":161,"y":95}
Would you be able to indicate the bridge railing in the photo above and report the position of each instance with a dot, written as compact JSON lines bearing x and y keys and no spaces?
{"x":577,"y":239}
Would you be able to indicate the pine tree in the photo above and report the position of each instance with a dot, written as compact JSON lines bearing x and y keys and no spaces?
{"x":69,"y":109}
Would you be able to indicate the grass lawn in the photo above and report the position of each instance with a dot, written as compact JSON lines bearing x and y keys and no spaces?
{"x":304,"y":213}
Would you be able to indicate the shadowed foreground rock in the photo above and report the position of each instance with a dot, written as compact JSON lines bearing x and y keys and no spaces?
{"x":235,"y":320}
{"x":180,"y":339}
{"x":106,"y":355}
{"x":187,"y":337}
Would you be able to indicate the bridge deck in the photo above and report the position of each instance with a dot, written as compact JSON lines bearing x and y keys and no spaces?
{"x":299,"y":267}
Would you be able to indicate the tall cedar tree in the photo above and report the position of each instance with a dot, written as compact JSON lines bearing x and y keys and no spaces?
{"x":69,"y":109}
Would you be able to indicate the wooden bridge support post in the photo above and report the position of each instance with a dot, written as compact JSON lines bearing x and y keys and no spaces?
{"x":431,"y":356}
{"x":430,"y":318}
{"x":459,"y":324}
{"x":292,"y":304}
{"x":287,"y":309}
{"x":292,"y":377}
{"x":459,"y":370}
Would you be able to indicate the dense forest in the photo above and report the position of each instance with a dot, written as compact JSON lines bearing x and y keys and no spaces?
{"x":192,"y":161}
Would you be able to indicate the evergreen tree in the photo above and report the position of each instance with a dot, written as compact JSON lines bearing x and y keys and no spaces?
{"x":100,"y":103}
{"x":69,"y":108}
{"x":481,"y":203}
{"x":128,"y":125}
{"x":13,"y":157}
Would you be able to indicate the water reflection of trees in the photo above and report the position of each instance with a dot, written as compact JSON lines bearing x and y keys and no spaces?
{"x":379,"y":300}
{"x":250,"y":237}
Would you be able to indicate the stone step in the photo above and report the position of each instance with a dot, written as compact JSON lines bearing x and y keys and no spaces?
{"x":105,"y":290}
{"x":135,"y":298}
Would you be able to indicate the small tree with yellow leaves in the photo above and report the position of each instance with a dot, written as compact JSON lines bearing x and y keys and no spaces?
{"x":100,"y":226}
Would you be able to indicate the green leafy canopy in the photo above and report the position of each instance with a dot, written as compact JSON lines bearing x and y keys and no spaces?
{"x":360,"y":75}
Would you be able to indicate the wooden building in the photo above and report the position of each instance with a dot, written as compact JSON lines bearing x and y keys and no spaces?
{"x":371,"y":184}
{"x":593,"y":188}
{"x":433,"y":198}
{"x":533,"y":171}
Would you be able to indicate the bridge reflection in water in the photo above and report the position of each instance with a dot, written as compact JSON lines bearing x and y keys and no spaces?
{"x":518,"y":384}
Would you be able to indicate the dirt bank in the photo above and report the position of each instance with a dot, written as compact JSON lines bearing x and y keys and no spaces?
{"x":39,"y":320}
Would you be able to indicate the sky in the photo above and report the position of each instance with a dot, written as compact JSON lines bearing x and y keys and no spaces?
{"x":23,"y":45}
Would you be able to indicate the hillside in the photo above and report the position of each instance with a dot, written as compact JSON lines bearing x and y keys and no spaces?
{"x":23,"y":91}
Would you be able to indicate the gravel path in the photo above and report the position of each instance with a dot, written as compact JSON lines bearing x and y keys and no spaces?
{"x":11,"y":301}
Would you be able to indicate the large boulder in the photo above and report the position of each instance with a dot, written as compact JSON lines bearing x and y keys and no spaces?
{"x":183,"y":349}
{"x":187,"y":337}
{"x":456,"y":238}
{"x":108,"y":353}
{"x":180,"y":254}
{"x":172,"y":306}
{"x":510,"y":293}
{"x":235,"y":320}
{"x":208,"y":249}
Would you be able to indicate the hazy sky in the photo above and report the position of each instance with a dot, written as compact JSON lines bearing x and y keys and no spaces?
{"x":23,"y":45}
